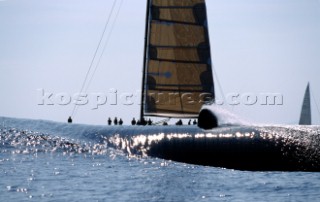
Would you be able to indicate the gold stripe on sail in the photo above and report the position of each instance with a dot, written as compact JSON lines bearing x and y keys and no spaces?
{"x":178,"y":74}
{"x":178,"y":62}
{"x":176,"y":2}
{"x":174,"y":34}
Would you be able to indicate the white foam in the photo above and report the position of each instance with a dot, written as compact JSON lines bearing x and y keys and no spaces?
{"x":225,"y":117}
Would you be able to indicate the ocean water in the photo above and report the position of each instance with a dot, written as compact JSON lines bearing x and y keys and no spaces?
{"x":48,"y":161}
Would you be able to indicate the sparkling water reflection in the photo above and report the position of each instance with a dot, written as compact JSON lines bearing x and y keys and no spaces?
{"x":88,"y":165}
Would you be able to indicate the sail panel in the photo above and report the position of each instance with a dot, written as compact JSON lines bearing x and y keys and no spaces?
{"x":175,"y":73}
{"x":176,"y":103}
{"x":182,"y":15}
{"x":175,"y":3}
{"x":176,"y":34}
{"x":178,"y":74}
{"x":182,"y":54}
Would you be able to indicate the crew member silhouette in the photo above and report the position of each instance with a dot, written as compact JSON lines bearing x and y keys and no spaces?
{"x":133,"y":122}
{"x":179,"y":123}
{"x":115,"y":121}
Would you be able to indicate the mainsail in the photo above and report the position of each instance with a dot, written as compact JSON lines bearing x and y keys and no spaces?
{"x":177,"y":75}
{"x":305,"y":117}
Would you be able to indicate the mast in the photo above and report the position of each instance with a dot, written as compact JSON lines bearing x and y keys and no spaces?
{"x":145,"y":60}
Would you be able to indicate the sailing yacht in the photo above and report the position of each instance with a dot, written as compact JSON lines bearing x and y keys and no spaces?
{"x":305,"y":116}
{"x":177,"y":81}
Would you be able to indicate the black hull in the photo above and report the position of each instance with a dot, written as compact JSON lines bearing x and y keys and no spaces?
{"x":234,"y":153}
{"x":267,"y":148}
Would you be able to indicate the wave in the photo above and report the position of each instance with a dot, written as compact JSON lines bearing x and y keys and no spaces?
{"x":243,"y":147}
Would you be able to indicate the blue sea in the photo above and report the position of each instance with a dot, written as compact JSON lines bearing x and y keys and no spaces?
{"x":49,"y":161}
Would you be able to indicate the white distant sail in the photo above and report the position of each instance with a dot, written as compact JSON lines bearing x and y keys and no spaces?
{"x":305,"y":117}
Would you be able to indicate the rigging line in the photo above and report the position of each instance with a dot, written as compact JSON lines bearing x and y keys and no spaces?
{"x":94,"y":56}
{"x":103,"y":50}
{"x":105,"y":46}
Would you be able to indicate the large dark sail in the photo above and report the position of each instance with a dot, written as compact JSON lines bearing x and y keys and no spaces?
{"x":305,"y":117}
{"x":177,"y":68}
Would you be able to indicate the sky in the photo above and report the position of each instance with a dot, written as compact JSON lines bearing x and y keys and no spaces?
{"x":258,"y":48}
